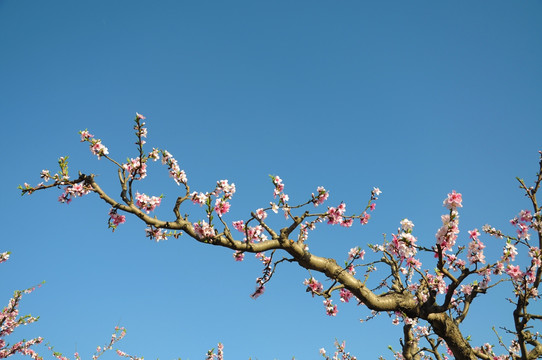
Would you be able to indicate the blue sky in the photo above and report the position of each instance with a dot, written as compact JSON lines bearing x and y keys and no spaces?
{"x":417,"y":98}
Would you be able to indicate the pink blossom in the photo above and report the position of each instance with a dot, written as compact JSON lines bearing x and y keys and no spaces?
{"x":453,"y":200}
{"x":514,"y":272}
{"x":530,"y":276}
{"x":403,"y":245}
{"x":239,"y":225}
{"x":499,"y":268}
{"x":277,"y":181}
{"x":437,"y":283}
{"x":536,"y":256}
{"x":116,"y":218}
{"x":284,"y":198}
{"x":523,"y":231}
{"x":466,"y":289}
{"x":224,"y":186}
{"x":345,"y":295}
{"x":178,"y":175}
{"x":204,"y":230}
{"x":64,"y":198}
{"x":406,"y":225}
{"x":261,"y":214}
{"x":447,"y":234}
{"x":514,"y":347}
{"x":335,"y":215}
{"x":356,"y":253}
{"x":77,"y":190}
{"x":286,"y":210}
{"x":45,"y":175}
{"x":331,"y":309}
{"x":139,"y":116}
{"x":473,"y":234}
{"x":155,"y":234}
{"x":322,"y":196}
{"x":136,"y":169}
{"x":98,"y":149}
{"x":266,"y":260}
{"x":221,"y":207}
{"x":413,"y":262}
{"x":313,"y":286}
{"x":154,"y":154}
{"x":85,"y":135}
{"x":525,"y":216}
{"x":509,"y":252}
{"x":365,"y":218}
{"x":476,"y":253}
{"x":73,"y":191}
{"x":147,"y":203}
{"x":239,"y":256}
{"x":199,"y":198}
{"x":255,"y":233}
{"x":260,"y":289}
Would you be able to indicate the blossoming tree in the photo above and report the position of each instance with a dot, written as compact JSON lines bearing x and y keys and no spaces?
{"x":430,"y":302}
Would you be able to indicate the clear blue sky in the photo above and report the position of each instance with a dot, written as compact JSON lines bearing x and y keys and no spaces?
{"x":418,"y":98}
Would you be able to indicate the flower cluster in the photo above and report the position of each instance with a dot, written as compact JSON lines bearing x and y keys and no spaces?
{"x":73,"y":191}
{"x":223,"y":192}
{"x":356,"y":253}
{"x":136,"y":169}
{"x":239,"y":255}
{"x":261,"y":214}
{"x":335,"y":215}
{"x":453,"y":200}
{"x":115,"y":219}
{"x":174,"y":170}
{"x":476,"y":247}
{"x":139,"y":127}
{"x":96,"y":146}
{"x":305,"y":227}
{"x":219,"y":354}
{"x":523,"y":222}
{"x":266,"y":275}
{"x":340,"y":352}
{"x":147,"y":203}
{"x":447,"y":234}
{"x":225,"y":187}
{"x":322,"y":196}
{"x":204,"y":230}
{"x":403,"y":245}
{"x":252,"y":233}
{"x":331,"y":310}
{"x":345,"y":295}
{"x":313,"y":286}
{"x":406,"y":225}
{"x":10,"y":320}
{"x":199,"y":198}
{"x":155,"y":234}
{"x":279,"y":190}
{"x":221,"y":207}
